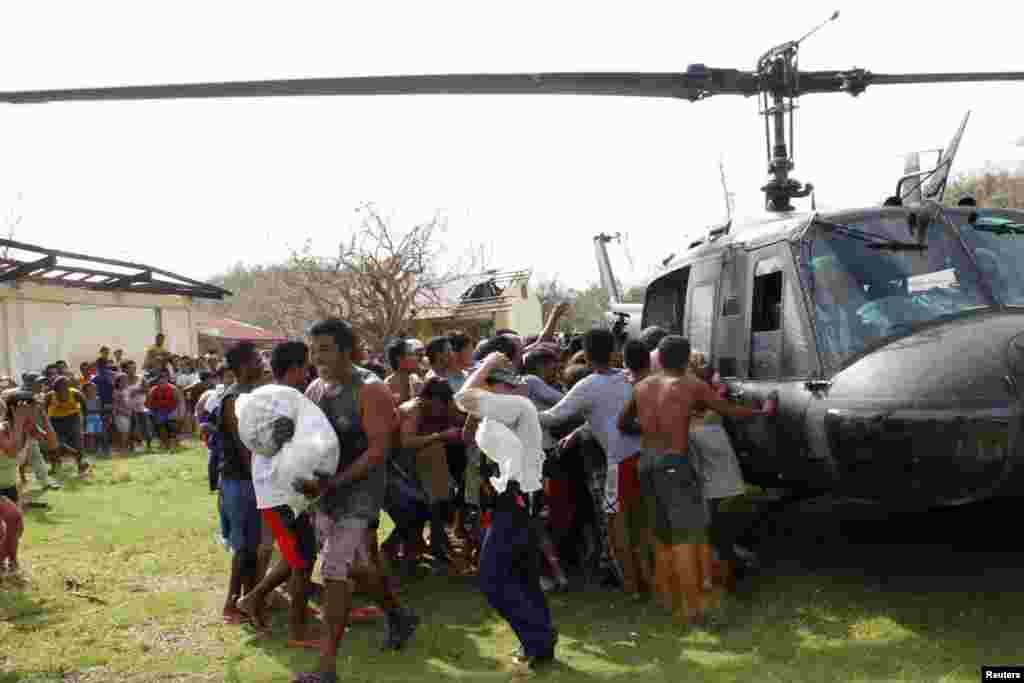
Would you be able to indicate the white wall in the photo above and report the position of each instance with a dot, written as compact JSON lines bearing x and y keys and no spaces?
{"x":43,"y":324}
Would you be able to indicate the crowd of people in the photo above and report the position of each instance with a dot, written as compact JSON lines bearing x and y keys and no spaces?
{"x":536,"y":461}
{"x":110,"y":406}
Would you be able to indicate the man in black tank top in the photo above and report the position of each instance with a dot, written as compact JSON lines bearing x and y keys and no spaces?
{"x":236,"y":481}
{"x":362,"y":411}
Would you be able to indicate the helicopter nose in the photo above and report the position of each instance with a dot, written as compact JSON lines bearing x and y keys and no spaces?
{"x":934,"y":416}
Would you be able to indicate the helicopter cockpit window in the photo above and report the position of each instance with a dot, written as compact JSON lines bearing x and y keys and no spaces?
{"x":666,"y":301}
{"x":996,"y":239}
{"x":871,"y":280}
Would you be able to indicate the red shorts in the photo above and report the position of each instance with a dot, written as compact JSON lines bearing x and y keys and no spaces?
{"x":629,"y":479}
{"x":295,"y":537}
{"x":561,"y":507}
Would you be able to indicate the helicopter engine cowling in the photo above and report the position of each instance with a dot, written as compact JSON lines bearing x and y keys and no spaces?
{"x":932,"y":418}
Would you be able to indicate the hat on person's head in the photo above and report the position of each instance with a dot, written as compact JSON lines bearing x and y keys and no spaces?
{"x":30,"y":379}
{"x":415,"y":346}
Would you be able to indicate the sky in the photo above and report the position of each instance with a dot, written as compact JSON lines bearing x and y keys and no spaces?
{"x":196,"y":186}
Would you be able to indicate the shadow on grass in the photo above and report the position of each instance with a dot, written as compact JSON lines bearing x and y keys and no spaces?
{"x":32,"y":676}
{"x":455,"y":619}
{"x":22,"y":608}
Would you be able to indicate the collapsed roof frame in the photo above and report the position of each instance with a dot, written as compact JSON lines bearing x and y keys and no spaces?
{"x":49,"y":269}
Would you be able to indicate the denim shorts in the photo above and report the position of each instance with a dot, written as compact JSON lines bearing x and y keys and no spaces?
{"x":244,"y":524}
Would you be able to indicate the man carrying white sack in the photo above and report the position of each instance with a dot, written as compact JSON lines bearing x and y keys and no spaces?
{"x":510,"y":435}
{"x":294,"y":534}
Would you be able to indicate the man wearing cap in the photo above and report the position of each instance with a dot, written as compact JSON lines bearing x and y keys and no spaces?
{"x":509,"y":434}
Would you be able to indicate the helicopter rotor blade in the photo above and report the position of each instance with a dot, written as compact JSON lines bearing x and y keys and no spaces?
{"x":855,"y":81}
{"x":697,"y":83}
{"x":965,"y":77}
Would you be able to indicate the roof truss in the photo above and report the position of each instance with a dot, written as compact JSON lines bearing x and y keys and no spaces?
{"x":51,"y":267}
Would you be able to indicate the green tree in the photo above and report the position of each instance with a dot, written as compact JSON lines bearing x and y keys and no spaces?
{"x":588,"y":308}
{"x":634,"y":295}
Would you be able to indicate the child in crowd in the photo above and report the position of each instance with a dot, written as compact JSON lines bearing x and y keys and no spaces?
{"x":85,"y":374}
{"x":97,"y":438}
{"x":142,"y":429}
{"x":123,"y":413}
{"x":18,"y":411}
{"x":163,"y":405}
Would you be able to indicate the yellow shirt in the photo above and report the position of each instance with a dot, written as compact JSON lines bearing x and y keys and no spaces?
{"x":59,"y":408}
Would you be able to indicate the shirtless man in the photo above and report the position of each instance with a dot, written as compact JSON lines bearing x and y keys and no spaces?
{"x":404,"y":359}
{"x":662,"y":405}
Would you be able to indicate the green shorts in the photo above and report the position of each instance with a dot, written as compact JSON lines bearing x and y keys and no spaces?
{"x":680,"y":511}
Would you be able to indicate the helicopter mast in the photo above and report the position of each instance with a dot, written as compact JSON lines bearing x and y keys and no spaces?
{"x":779,"y":71}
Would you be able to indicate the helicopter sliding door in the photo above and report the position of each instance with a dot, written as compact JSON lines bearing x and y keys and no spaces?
{"x":780,"y":358}
{"x":700,"y":309}
{"x":729,"y":348}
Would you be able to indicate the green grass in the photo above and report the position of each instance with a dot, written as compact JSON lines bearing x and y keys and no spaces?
{"x":126,"y":580}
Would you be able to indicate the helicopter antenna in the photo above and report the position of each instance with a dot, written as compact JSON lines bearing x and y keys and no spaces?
{"x":779,"y":69}
{"x":835,"y":15}
{"x":725,"y":189}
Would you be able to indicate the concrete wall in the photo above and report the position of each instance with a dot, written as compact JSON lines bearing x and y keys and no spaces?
{"x":44,"y":323}
{"x":525,"y":314}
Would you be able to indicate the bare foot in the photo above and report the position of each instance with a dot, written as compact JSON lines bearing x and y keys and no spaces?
{"x":233,"y":615}
{"x":253,"y":610}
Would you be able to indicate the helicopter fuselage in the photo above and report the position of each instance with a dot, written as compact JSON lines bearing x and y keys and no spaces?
{"x":927,"y":414}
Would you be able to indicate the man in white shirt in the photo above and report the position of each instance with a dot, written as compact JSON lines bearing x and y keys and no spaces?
{"x":295,"y":536}
{"x":510,"y":435}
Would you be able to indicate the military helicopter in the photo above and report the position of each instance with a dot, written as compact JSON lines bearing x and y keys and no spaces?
{"x":893,"y":336}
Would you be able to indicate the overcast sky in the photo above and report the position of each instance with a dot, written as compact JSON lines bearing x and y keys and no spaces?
{"x":193,"y":186}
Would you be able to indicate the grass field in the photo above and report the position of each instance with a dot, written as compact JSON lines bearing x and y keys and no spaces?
{"x":126,"y":578}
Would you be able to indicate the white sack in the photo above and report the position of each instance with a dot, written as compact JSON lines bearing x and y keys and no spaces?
{"x":313,"y":449}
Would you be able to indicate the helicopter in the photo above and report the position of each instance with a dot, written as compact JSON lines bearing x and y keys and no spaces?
{"x":892,"y":336}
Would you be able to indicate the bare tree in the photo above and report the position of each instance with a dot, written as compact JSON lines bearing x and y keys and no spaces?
{"x":380,"y":278}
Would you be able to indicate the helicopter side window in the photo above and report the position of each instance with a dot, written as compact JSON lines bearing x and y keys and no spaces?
{"x":702,"y":311}
{"x":766,"y":324}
